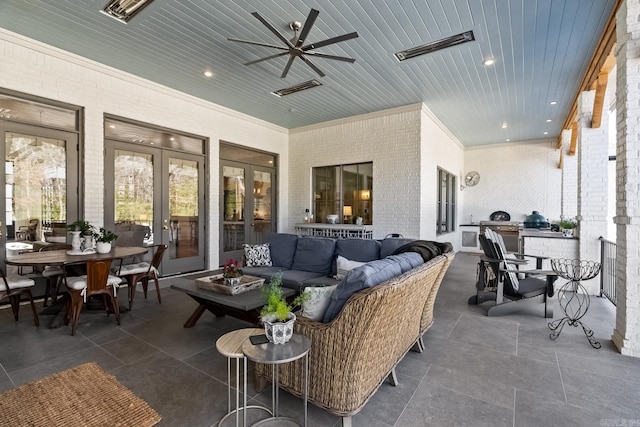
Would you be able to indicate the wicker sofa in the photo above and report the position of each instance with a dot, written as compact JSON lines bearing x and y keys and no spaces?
{"x":352,"y":355}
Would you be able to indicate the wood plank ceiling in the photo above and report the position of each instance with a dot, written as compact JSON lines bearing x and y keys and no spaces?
{"x":542,"y":49}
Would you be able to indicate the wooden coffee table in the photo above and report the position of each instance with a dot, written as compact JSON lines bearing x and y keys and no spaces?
{"x":245,"y":306}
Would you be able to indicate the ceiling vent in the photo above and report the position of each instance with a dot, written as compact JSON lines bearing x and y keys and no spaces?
{"x":124,"y":10}
{"x":296,"y":88}
{"x":467,"y":36}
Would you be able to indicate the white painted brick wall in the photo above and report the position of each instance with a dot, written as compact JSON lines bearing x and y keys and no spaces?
{"x":34,"y":68}
{"x":569,"y":179}
{"x":515,"y":178}
{"x":551,"y":248}
{"x":405,"y":145}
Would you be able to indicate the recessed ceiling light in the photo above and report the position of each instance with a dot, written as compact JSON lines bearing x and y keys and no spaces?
{"x":489,"y":61}
{"x":553,"y":102}
{"x":546,"y":133}
{"x":504,"y":126}
{"x":208,"y":73}
{"x":112,"y":126}
{"x":548,"y":120}
{"x":172,"y":139}
{"x":508,"y":139}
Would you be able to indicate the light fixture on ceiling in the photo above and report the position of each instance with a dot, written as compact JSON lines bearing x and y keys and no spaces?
{"x":504,"y":126}
{"x":467,"y":36}
{"x":546,"y":133}
{"x":548,"y":120}
{"x":488,"y":62}
{"x":553,"y":102}
{"x":296,"y":88}
{"x":208,"y":73}
{"x":124,"y":10}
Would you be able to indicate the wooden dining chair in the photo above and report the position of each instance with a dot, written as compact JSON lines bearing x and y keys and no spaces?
{"x":142,"y":272}
{"x":12,"y":287}
{"x":97,"y":281}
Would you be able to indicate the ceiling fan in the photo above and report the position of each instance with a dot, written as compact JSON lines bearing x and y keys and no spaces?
{"x":296,"y":48}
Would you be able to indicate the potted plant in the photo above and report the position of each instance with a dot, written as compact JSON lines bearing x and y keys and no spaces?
{"x":277,"y":314}
{"x":567,"y":225}
{"x":232,"y":273}
{"x":103,"y":240}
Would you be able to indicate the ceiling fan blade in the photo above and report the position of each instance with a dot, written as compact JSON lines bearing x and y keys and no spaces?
{"x":310,"y":64}
{"x":258,"y":44}
{"x":324,"y":55}
{"x":266,"y":58}
{"x":332,"y":40}
{"x":286,"y":68}
{"x":311,"y":19}
{"x":273,"y":29}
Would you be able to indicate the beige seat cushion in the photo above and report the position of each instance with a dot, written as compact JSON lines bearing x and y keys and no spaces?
{"x":16,"y":281}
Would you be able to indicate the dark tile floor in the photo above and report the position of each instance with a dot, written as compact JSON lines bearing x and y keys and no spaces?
{"x":476,"y":370}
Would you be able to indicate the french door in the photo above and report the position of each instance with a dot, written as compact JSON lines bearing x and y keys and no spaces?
{"x":40,"y":181}
{"x":247,"y":206}
{"x":163,"y":191}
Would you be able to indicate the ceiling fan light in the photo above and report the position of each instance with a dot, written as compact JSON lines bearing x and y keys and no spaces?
{"x":296,"y":88}
{"x":435,"y":46}
{"x":124,"y":10}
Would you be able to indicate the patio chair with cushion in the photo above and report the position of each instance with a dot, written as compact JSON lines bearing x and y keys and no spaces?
{"x":142,"y":272}
{"x":12,"y":287}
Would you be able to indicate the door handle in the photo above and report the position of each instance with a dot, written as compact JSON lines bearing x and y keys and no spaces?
{"x":164,"y":227}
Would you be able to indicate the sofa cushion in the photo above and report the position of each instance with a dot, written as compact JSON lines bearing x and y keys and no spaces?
{"x":345,"y":265}
{"x":262,"y":271}
{"x":314,"y":254}
{"x":390,"y":244}
{"x":319,"y":299}
{"x":257,"y":255}
{"x":371,"y":274}
{"x":363,"y":250}
{"x":296,"y":279}
{"x":282,"y":247}
{"x":407,"y":260}
{"x":321,"y":281}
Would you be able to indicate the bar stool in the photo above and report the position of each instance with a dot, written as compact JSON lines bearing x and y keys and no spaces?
{"x":230,"y":346}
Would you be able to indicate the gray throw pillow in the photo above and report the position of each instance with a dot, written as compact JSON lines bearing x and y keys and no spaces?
{"x":282,"y":247}
{"x":371,"y":274}
{"x":314,"y":254}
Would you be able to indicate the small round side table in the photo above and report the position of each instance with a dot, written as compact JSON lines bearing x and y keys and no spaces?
{"x":230,"y":345}
{"x":277,"y":354}
{"x":573,"y":297}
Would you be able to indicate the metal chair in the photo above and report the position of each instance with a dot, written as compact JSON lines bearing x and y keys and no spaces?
{"x":12,"y":287}
{"x":30,"y":230}
{"x":143,"y":272}
{"x":97,"y":281}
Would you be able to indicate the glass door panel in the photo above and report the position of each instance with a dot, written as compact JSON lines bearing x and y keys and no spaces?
{"x":183,"y":208}
{"x":233,"y":202}
{"x":262,"y":203}
{"x":134,"y":196}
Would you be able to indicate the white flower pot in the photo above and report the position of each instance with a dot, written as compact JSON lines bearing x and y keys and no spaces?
{"x":232,"y":281}
{"x":278,"y":332}
{"x":103,"y":247}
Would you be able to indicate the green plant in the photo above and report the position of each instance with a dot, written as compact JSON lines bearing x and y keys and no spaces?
{"x":105,"y":236}
{"x":81,"y":225}
{"x":567,"y":223}
{"x":276,"y":305}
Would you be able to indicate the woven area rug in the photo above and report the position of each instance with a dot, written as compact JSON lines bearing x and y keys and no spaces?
{"x":80,"y":396}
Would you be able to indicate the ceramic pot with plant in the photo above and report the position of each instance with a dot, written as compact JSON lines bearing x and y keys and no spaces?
{"x":103,"y":240}
{"x":80,"y":230}
{"x":277,"y":314}
{"x":567,"y":226}
{"x":232,"y":273}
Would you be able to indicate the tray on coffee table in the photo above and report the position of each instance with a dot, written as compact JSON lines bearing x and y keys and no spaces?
{"x":216,"y":283}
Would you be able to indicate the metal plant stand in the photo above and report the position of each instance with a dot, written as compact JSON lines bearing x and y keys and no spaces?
{"x":573,"y":297}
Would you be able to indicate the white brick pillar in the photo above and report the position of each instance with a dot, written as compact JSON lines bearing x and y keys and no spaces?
{"x":593,"y":160}
{"x":569,"y":178}
{"x":626,"y":335}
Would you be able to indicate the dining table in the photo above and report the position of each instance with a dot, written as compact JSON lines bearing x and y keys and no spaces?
{"x":64,"y":258}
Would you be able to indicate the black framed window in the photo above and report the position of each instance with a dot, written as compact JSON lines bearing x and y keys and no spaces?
{"x":344,"y":192}
{"x":446,"y":217}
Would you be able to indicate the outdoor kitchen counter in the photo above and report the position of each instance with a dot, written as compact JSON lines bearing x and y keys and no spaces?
{"x":550,"y":244}
{"x":534,"y":232}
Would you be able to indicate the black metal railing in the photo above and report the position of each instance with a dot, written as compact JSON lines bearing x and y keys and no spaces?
{"x":608,"y":252}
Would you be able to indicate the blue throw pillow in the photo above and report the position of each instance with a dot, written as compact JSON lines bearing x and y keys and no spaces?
{"x":371,"y":274}
{"x":314,"y":254}
{"x":407,"y":260}
{"x":282,"y":247}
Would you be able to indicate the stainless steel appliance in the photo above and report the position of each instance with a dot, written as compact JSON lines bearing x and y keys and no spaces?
{"x":509,"y":230}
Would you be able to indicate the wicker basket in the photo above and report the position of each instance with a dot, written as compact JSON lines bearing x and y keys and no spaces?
{"x":217,"y":283}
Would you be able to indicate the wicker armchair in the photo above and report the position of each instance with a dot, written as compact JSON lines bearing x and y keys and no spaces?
{"x":351,"y":356}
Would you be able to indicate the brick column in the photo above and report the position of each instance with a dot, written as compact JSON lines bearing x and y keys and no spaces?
{"x":626,"y":335}
{"x":592,"y":184}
